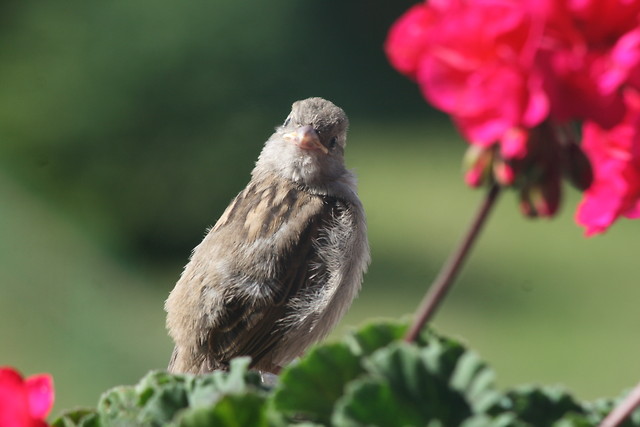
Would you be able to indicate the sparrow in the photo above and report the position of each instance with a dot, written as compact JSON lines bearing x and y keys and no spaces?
{"x":284,"y":262}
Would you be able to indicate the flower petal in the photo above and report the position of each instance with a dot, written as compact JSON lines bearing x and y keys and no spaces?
{"x":14,"y":405}
{"x":40,"y":394}
{"x":407,"y":39}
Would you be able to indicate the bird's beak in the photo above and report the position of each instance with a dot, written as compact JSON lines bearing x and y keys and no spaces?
{"x":306,"y":138}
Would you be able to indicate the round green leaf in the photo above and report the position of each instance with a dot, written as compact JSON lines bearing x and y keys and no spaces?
{"x":372,"y":402}
{"x":309,"y":388}
{"x":233,"y":410}
{"x":414,"y":381}
{"x":373,"y":336}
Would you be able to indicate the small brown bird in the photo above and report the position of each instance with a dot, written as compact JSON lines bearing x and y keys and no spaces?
{"x":284,"y":261}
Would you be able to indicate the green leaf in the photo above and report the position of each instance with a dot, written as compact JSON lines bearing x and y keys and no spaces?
{"x":405,"y":370}
{"x":159,"y":396}
{"x":420,"y":378}
{"x":310,"y":387}
{"x":503,"y":420}
{"x":163,"y":405}
{"x":233,"y":410}
{"x":82,"y":417}
{"x":473,"y":378}
{"x":438,"y":383}
{"x":205,"y":390}
{"x":119,"y":405}
{"x":373,"y":336}
{"x":539,"y":406}
{"x":372,"y":401}
{"x":575,"y":420}
{"x":442,"y":355}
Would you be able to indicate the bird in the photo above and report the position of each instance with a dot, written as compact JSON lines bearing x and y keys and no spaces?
{"x":285,"y":260}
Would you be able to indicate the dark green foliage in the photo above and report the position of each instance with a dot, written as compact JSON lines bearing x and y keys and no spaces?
{"x":161,"y":398}
{"x":312,"y":387}
{"x":77,"y":417}
{"x":402,"y":377}
{"x":372,"y":378}
{"x":233,"y":410}
{"x":540,"y":406}
{"x":374,"y":336}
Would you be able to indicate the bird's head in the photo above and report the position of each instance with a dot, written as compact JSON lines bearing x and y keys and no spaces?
{"x":308,"y":148}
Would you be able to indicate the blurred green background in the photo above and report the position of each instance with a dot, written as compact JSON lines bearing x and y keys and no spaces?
{"x":126,"y":128}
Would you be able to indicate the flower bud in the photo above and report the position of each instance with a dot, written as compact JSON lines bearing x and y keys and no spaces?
{"x":513,"y":144}
{"x":503,"y":172}
{"x":477,"y":163}
{"x":546,"y":195}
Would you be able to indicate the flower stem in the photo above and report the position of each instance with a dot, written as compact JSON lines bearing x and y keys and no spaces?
{"x":623,"y":410}
{"x":441,"y":285}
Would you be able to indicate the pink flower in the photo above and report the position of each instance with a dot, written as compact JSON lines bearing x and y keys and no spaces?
{"x":615,"y":156}
{"x":407,"y":40}
{"x":24,"y":403}
{"x":473,"y":60}
{"x":590,"y":48}
{"x":513,"y":75}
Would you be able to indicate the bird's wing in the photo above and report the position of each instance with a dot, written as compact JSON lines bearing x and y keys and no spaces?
{"x":278,"y":248}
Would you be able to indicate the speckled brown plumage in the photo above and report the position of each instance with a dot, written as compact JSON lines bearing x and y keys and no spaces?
{"x":284,"y":261}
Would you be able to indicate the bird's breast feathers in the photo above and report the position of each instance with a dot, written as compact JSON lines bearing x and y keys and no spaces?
{"x":282,"y":244}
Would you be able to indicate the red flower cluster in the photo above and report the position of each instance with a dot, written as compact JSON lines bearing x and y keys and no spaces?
{"x":513,"y":74}
{"x":24,"y":403}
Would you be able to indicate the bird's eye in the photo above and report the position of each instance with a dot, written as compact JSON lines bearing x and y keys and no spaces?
{"x":333,"y":142}
{"x":287,"y":121}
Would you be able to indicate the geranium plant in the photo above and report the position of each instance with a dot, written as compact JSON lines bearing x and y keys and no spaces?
{"x":542,"y":90}
{"x":535,"y":86}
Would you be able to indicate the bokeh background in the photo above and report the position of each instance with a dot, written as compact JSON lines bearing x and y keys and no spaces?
{"x":126,"y":128}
